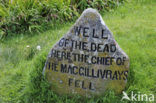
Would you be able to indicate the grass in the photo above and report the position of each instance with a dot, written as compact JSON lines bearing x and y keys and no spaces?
{"x":134,"y":28}
{"x":17,"y":16}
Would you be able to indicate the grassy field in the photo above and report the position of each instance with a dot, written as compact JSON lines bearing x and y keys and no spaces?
{"x":134,"y":27}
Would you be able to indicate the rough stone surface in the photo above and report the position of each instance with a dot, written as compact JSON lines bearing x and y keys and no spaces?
{"x":87,"y":60}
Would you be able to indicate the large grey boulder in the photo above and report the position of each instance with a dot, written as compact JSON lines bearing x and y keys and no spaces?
{"x":87,"y":60}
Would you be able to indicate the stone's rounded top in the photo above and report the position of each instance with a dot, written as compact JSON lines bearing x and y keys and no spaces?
{"x":90,"y":10}
{"x":90,"y":16}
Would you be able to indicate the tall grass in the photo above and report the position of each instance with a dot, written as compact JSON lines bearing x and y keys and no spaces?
{"x":20,"y":16}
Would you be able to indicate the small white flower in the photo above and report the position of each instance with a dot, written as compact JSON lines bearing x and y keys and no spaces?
{"x":28,"y":46}
{"x":38,"y":47}
{"x":11,"y":1}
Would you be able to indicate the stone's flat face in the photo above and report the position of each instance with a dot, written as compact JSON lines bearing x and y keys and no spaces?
{"x":87,"y":60}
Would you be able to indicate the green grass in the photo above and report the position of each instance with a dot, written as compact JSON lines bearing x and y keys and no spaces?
{"x":27,"y":16}
{"x":134,"y":28}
